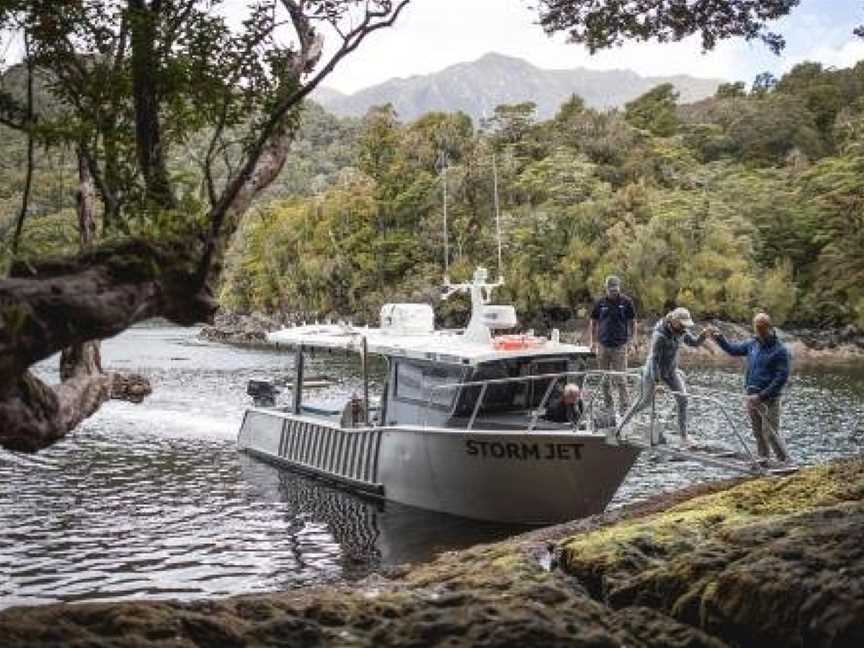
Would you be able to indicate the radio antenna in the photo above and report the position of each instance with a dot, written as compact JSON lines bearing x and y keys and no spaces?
{"x":446,"y":242}
{"x":497,"y":216}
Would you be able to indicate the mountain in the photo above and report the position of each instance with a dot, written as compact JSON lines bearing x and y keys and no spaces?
{"x":477,"y":87}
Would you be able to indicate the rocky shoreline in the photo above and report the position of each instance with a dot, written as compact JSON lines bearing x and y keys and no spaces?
{"x":810,"y":347}
{"x":775,"y":561}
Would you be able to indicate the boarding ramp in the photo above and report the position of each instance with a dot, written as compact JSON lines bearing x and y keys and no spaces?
{"x":719,"y":426}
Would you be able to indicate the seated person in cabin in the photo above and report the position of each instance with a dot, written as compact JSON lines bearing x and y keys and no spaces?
{"x":565,"y":406}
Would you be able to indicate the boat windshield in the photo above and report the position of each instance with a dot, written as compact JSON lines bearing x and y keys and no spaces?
{"x":514,"y":396}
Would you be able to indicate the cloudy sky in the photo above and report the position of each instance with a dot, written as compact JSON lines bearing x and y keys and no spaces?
{"x":433,"y":34}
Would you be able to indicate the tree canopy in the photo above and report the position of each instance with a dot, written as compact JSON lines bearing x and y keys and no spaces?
{"x":745,"y":204}
{"x":600,"y":25}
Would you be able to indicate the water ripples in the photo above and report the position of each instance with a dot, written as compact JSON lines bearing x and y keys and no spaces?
{"x":154,"y":501}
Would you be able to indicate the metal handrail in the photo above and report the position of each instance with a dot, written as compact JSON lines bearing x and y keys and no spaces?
{"x":720,"y":406}
{"x":512,"y":379}
{"x":755,"y":463}
{"x":483,"y":384}
{"x":604,"y":374}
{"x":712,"y":398}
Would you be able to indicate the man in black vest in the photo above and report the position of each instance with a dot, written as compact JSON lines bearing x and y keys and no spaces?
{"x":613,"y":328}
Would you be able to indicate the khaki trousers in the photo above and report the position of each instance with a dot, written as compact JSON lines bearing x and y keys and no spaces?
{"x":765,"y":421}
{"x":614,"y":359}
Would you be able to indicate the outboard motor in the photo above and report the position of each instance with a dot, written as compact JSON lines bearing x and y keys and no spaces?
{"x":263,"y":393}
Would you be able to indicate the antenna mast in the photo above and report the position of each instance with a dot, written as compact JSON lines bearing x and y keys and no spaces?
{"x":497,"y":217}
{"x":446,"y":243}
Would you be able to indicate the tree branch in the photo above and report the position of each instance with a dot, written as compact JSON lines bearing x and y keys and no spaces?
{"x":601,"y":25}
{"x":28,"y":179}
{"x":274,"y":132}
{"x":52,"y":305}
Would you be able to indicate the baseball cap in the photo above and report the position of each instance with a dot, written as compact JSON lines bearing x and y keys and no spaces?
{"x":681,"y":315}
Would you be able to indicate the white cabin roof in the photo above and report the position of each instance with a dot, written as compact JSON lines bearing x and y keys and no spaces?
{"x":448,"y":347}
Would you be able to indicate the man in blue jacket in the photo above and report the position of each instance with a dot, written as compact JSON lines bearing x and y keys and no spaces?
{"x":766,"y":375}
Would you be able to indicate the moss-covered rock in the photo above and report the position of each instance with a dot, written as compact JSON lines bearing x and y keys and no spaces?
{"x":769,"y":562}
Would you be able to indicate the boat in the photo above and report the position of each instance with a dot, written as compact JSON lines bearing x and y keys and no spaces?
{"x":460,"y":425}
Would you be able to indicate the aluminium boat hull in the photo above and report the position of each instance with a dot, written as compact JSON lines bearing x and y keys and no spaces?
{"x":540,"y":477}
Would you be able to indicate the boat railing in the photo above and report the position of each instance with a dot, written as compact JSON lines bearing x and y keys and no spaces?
{"x":716,"y":415}
{"x":484,"y":385}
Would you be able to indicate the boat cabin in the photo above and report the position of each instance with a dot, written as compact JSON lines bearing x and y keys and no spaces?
{"x":444,"y":378}
{"x":502,"y":392}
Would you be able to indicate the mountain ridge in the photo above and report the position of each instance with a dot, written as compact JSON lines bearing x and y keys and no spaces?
{"x":477,"y":87}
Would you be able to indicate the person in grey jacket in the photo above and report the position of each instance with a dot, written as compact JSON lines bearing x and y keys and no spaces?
{"x":662,"y":365}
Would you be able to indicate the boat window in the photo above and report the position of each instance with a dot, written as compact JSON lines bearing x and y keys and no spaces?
{"x":509,"y":396}
{"x":415,"y":381}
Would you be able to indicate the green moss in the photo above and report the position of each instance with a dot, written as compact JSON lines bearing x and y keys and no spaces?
{"x":689,"y":524}
{"x":14,"y":318}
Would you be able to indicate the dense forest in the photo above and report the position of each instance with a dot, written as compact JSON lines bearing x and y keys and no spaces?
{"x":751,"y":199}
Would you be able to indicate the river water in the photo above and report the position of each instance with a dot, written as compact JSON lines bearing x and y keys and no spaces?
{"x":154,"y":501}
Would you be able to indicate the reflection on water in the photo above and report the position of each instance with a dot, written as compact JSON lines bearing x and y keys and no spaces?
{"x":180,"y":517}
{"x":155,"y":501}
{"x":370,"y":533}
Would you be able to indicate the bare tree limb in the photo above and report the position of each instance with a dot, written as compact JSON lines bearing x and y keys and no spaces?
{"x":247,"y":183}
{"x":28,"y":178}
{"x":56,"y":304}
{"x":35,"y":415}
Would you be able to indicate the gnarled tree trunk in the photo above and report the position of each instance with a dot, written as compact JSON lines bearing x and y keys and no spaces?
{"x":33,"y":414}
{"x":56,"y":305}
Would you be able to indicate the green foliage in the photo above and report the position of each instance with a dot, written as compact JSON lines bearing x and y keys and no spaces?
{"x":654,"y":111}
{"x":50,"y":235}
{"x":778,"y":293}
{"x":736,"y":203}
{"x":727,"y":217}
{"x":731,"y":90}
{"x":601,"y":25}
{"x":763,"y":84}
{"x":768,"y":131}
{"x":835,"y":187}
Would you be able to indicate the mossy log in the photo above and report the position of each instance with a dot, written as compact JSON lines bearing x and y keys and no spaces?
{"x":62,"y":304}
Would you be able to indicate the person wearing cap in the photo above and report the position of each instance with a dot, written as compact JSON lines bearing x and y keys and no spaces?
{"x":613,"y":326}
{"x":662,"y":365}
{"x":768,"y":362}
{"x":565,"y":406}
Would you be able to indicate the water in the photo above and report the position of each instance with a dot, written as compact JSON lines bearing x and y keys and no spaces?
{"x":822,"y":419}
{"x":154,"y":501}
